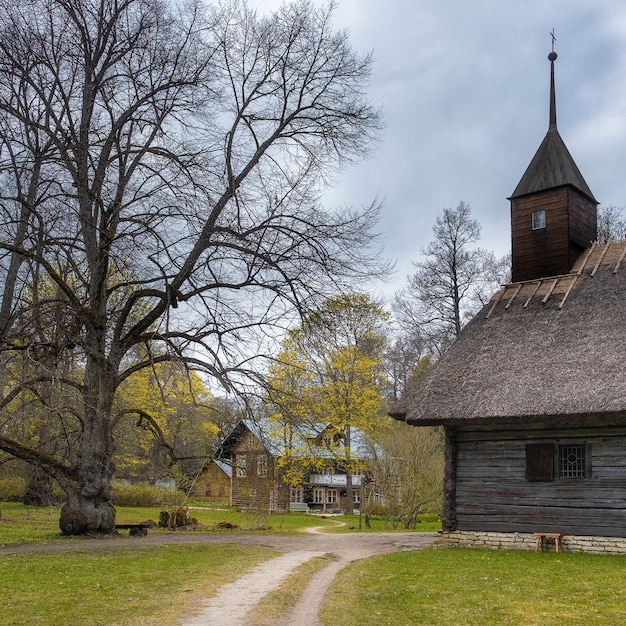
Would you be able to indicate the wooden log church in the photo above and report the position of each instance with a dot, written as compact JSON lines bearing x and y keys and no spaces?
{"x":532,"y":394}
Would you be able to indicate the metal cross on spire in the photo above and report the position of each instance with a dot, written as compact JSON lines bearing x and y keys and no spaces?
{"x":553,"y":39}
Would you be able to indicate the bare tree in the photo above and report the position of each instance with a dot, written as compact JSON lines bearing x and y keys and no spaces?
{"x":611,"y":224}
{"x":452,"y":282}
{"x":403,"y":359}
{"x":161,"y":169}
{"x":408,"y":465}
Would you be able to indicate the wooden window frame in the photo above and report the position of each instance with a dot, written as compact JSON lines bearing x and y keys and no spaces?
{"x":241,"y":466}
{"x":583,"y":470}
{"x":544,"y":461}
{"x":261,"y":466}
{"x":297,"y":494}
{"x":538,"y":219}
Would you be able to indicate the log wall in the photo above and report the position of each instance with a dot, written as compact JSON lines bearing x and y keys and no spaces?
{"x":491,"y":493}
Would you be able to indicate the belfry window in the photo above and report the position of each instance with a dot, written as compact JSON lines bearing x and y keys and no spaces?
{"x":539,"y":220}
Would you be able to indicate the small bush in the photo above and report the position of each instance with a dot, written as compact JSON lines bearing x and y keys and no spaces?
{"x":376,"y":509}
{"x":12,"y":489}
{"x":143,"y":494}
{"x":428,"y":518}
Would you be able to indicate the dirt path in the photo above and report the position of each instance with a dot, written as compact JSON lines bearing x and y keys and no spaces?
{"x":234,"y":601}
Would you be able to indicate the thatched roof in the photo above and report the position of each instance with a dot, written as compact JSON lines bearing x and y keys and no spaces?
{"x":549,"y":347}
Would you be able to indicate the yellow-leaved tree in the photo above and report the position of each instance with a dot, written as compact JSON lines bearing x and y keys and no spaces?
{"x":174,"y":431}
{"x":325,"y":388}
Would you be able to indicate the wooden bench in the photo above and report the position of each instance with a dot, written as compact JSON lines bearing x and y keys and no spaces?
{"x":540,"y":537}
{"x":136,"y":530}
{"x":299,"y":506}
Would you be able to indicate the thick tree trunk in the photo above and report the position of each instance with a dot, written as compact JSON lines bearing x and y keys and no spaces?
{"x":349,"y":491}
{"x":89,"y":508}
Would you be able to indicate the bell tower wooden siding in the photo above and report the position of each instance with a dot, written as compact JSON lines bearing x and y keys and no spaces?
{"x":553,"y":186}
{"x":570,"y":228}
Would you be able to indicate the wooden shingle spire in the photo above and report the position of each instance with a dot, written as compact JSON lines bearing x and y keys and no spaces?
{"x":553,"y":212}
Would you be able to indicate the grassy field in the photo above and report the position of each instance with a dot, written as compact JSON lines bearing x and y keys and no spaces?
{"x":122,"y":587}
{"x":146,"y":586}
{"x":21,"y":524}
{"x":461,"y":587}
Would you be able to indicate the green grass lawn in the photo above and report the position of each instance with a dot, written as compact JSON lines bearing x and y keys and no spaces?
{"x":426,"y":523}
{"x":121,"y":587}
{"x":456,"y":587}
{"x":21,"y":524}
{"x":157,"y":585}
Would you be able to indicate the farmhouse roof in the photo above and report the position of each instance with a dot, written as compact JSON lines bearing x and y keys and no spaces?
{"x":306,"y":437}
{"x":546,"y":347}
{"x":225,"y":467}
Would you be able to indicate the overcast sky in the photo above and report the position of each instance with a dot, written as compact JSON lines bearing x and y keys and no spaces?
{"x":464,"y":86}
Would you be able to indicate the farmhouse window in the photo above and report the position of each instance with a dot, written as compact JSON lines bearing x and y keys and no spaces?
{"x":539,"y":220}
{"x":297,"y":494}
{"x":318,"y":496}
{"x":572,"y":461}
{"x":261,"y":466}
{"x":539,"y":462}
{"x":332,"y":496}
{"x":241,"y":466}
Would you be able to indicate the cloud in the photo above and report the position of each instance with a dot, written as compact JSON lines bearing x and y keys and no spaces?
{"x":465,"y":89}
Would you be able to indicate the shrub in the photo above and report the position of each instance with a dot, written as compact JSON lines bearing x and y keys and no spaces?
{"x":376,"y":509}
{"x":12,"y":489}
{"x":143,"y":494}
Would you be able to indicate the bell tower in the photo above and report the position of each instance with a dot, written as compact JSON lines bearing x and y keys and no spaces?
{"x":553,"y":212}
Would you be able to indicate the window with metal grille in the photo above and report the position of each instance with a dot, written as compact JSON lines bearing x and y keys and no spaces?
{"x":572,"y":462}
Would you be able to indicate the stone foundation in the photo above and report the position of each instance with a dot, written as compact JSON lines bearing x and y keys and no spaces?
{"x":527,"y":541}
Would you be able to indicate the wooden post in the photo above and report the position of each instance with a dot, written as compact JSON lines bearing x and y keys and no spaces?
{"x":448,"y":518}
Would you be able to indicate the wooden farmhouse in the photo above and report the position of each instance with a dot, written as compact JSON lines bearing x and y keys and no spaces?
{"x":532,"y":394}
{"x":213,"y":484}
{"x":250,"y":455}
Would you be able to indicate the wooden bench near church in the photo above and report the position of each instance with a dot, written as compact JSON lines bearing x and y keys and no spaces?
{"x":540,"y":537}
{"x":136,"y":530}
